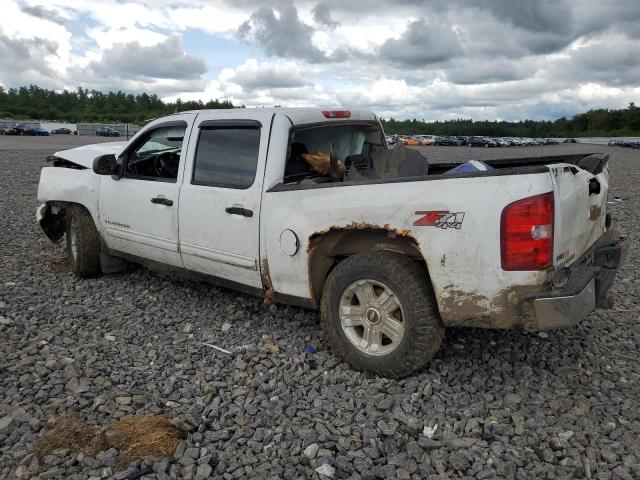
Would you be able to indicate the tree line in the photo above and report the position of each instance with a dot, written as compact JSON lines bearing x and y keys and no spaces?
{"x":623,"y":122}
{"x":83,"y":105}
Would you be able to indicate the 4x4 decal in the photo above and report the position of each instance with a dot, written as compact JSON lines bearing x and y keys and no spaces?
{"x":440,"y":219}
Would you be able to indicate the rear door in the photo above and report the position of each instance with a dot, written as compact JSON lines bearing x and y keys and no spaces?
{"x":580,"y":210}
{"x":219,"y":217}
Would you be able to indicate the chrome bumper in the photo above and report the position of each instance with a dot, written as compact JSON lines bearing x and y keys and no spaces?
{"x":587,"y":289}
{"x":559,"y":312}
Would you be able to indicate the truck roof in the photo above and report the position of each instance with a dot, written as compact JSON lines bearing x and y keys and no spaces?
{"x":299,"y":116}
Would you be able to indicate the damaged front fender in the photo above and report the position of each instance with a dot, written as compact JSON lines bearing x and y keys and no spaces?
{"x":52,"y":220}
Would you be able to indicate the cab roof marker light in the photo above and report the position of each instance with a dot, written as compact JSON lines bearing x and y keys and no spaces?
{"x":336,"y":113}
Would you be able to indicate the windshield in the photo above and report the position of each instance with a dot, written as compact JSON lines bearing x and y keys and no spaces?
{"x":167,"y":139}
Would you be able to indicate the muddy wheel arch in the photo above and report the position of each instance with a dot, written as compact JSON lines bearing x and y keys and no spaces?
{"x":327,"y":247}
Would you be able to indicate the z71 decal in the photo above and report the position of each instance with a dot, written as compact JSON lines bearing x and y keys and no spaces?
{"x":440,"y":219}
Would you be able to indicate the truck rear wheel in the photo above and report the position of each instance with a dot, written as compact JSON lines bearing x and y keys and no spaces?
{"x":83,"y":242}
{"x":379,"y":314}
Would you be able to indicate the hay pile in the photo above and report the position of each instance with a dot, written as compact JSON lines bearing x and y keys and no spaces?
{"x":69,"y":433}
{"x":135,"y":437}
{"x":145,"y":436}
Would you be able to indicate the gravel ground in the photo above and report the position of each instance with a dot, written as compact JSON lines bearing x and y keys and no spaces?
{"x":502,"y":404}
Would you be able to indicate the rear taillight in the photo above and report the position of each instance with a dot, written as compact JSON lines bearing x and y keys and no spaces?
{"x":336,"y":113}
{"x":526,"y":233}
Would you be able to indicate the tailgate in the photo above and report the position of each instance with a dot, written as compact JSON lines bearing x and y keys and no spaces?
{"x":580,"y":206}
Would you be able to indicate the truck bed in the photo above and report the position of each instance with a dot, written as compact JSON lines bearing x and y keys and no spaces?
{"x":591,"y":162}
{"x":514,"y":166}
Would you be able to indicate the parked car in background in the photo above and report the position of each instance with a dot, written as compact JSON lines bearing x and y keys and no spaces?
{"x":409,"y":141}
{"x":445,"y":141}
{"x":27,"y":130}
{"x":481,"y":142}
{"x":107,"y":132}
{"x":11,"y":131}
{"x":24,"y":129}
{"x":569,"y":140}
{"x":41,"y":132}
{"x":61,"y":131}
{"x":624,"y":143}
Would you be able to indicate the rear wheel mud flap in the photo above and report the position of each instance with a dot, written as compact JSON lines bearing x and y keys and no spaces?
{"x":109,"y":263}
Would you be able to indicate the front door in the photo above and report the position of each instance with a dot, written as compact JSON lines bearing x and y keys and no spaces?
{"x":219,"y":215}
{"x":139,"y":211}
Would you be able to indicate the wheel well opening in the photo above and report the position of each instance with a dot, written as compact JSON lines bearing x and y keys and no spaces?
{"x":327,"y":249}
{"x":54,"y":218}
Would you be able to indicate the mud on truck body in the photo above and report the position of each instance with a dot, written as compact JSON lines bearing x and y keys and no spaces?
{"x":309,"y":207}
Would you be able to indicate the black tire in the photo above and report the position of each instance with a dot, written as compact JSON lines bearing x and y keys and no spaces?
{"x":409,"y":282}
{"x":84,"y":256}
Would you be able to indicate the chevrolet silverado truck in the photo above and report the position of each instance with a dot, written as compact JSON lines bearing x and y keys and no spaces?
{"x":391,"y":249}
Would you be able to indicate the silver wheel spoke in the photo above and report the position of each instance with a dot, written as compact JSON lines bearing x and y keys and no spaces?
{"x":393,"y":329}
{"x":371,"y":339}
{"x":365,"y":293}
{"x":351,"y":316}
{"x":388,"y":302}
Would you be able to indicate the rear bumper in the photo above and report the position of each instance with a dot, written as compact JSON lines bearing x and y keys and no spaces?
{"x":586,"y":289}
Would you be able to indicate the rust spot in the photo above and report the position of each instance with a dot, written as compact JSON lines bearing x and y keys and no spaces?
{"x":266,"y":283}
{"x":391,"y":232}
{"x":326,"y":246}
{"x":595,"y":212}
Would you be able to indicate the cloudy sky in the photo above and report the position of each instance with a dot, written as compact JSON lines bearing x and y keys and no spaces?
{"x":428,"y":59}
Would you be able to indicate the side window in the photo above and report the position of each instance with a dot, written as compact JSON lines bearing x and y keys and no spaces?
{"x":226,"y":157}
{"x":157,"y":155}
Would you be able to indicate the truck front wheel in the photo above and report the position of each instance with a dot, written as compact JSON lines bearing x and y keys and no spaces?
{"x":379,"y":314}
{"x":83,"y":242}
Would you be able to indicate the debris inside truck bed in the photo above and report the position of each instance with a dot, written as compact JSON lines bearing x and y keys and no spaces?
{"x":382,"y":163}
{"x":325,"y":164}
{"x":471,"y":166}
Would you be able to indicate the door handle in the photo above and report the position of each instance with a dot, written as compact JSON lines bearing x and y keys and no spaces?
{"x":162,"y":201}
{"x":245,"y":212}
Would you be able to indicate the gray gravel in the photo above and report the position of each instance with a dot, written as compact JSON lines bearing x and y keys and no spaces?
{"x":506,"y":404}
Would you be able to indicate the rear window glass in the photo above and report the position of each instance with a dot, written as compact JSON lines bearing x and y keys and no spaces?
{"x":349,"y":143}
{"x":227,"y":157}
{"x":345,"y":140}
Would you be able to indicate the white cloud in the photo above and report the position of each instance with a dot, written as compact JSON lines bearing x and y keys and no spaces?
{"x":253,"y":75}
{"x":433,"y":59}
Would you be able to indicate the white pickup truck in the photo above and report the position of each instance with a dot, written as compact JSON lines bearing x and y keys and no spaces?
{"x":390,"y":249}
